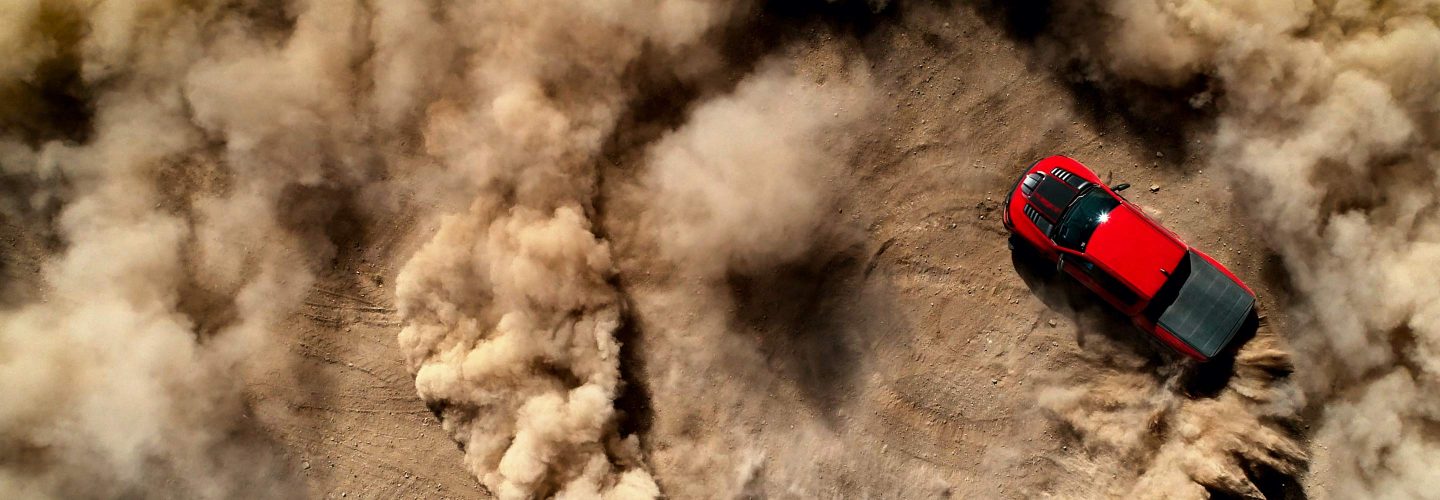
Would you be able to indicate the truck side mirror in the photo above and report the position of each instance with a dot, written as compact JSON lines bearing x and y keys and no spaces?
{"x":1120,"y":187}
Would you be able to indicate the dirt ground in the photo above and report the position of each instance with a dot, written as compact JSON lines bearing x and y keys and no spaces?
{"x":906,"y":363}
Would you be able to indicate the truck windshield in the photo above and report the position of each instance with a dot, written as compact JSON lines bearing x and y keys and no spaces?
{"x":1084,"y":215}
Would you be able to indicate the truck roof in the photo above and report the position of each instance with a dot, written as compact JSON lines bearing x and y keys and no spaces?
{"x":1140,"y":253}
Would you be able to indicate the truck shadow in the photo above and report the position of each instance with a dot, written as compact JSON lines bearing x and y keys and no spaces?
{"x":1100,"y":322}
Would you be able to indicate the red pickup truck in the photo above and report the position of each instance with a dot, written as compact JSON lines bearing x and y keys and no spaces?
{"x":1061,"y":211}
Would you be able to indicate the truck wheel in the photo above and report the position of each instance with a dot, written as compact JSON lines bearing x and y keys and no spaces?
{"x":1025,"y":254}
{"x":1020,"y":246}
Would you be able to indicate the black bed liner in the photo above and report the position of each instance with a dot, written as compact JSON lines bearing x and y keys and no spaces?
{"x":1208,"y":307}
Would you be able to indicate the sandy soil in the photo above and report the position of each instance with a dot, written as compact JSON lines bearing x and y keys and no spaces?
{"x":916,"y":348}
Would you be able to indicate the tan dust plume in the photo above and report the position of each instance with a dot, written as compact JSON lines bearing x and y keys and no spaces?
{"x":190,"y":160}
{"x":1178,"y":445}
{"x":747,"y":183}
{"x":512,"y":307}
{"x":1327,"y":124}
{"x":745,"y":187}
{"x":187,"y":158}
{"x":511,"y":312}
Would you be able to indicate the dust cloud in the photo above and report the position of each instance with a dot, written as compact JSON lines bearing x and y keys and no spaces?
{"x":512,"y":308}
{"x":1327,"y":126}
{"x":188,"y":168}
{"x":1185,"y":444}
{"x":186,"y":159}
{"x":747,"y":183}
{"x":196,"y":163}
{"x":744,"y":190}
{"x":511,"y":314}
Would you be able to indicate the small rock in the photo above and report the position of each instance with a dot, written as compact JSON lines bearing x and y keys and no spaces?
{"x":1159,"y":154}
{"x":1052,"y":322}
{"x":1154,"y":188}
{"x":994,"y":381}
{"x":305,"y":465}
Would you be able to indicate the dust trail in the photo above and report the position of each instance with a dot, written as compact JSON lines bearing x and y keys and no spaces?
{"x":512,"y":310}
{"x":1179,"y":444}
{"x":748,"y":182}
{"x":195,"y":153}
{"x":745,"y":189}
{"x":1327,"y":125}
{"x":511,"y":313}
{"x":195,"y":163}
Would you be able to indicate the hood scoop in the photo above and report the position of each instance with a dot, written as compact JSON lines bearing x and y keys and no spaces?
{"x":1052,"y":196}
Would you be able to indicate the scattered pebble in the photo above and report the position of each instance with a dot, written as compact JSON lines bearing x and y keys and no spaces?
{"x":1154,"y":188}
{"x":1052,"y":322}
